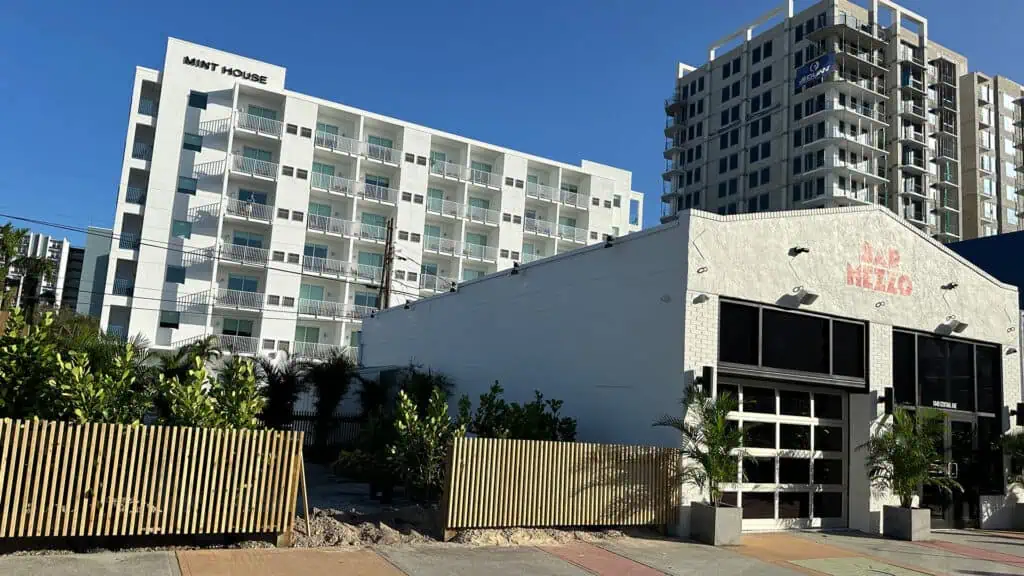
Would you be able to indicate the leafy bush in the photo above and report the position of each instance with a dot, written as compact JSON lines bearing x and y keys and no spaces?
{"x":236,"y":397}
{"x":421,"y":444}
{"x":536,"y":420}
{"x":29,"y":361}
{"x":110,"y":397}
{"x":186,"y":400}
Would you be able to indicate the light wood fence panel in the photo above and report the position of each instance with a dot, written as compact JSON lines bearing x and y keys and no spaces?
{"x":493,"y":483}
{"x":67,"y":479}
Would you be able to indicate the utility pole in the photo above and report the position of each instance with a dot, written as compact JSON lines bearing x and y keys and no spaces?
{"x":384,"y":292}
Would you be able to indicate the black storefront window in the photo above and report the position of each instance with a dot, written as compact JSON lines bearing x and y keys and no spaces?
{"x":828,"y":504}
{"x":794,"y":471}
{"x":848,"y":349}
{"x":903,"y":367}
{"x":794,"y":403}
{"x":759,"y":470}
{"x":738,"y":334}
{"x":989,"y":378}
{"x":758,"y":505}
{"x":759,"y":400}
{"x":945,"y":373}
{"x":794,"y":505}
{"x":758,"y":435}
{"x":988,"y":468}
{"x":795,"y":341}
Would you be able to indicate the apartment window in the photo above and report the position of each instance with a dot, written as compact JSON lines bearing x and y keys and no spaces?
{"x":726,"y":70}
{"x":193,"y":142}
{"x":307,"y":133}
{"x":301,"y":174}
{"x":767,"y":53}
{"x":725,"y":94}
{"x":735,"y":89}
{"x":724,"y":117}
{"x":607,"y":203}
{"x":277,"y":256}
{"x":820,"y":185}
{"x":293,"y":258}
{"x":400,"y":274}
{"x":766,"y":149}
{"x":752,"y":204}
{"x":169,"y":319}
{"x":187,"y":185}
{"x":181,"y":229}
{"x":403,"y":235}
{"x":731,"y":208}
{"x":291,"y":129}
{"x":734,"y":161}
{"x":287,"y":170}
{"x":721,"y":189}
{"x":755,"y":152}
{"x":503,"y":253}
{"x":298,"y":216}
{"x":796,"y":192}
{"x":755,"y":79}
{"x":617,"y":200}
{"x":689,"y":155}
{"x":798,"y":112}
{"x":700,"y":106}
{"x":519,"y":183}
{"x":796,"y":165}
{"x":282,"y":213}
{"x":412,"y":276}
{"x":175,"y":274}
{"x":273,"y":300}
{"x":406,"y":196}
{"x":766,"y":174}
{"x":417,"y":199}
{"x":766,"y":74}
{"x":593,"y":235}
{"x":798,"y":59}
{"x":734,"y":114}
{"x":509,"y":181}
{"x":798,"y":33}
{"x":723,"y":141}
{"x":766,"y":124}
{"x":755,"y":129}
{"x":734,"y":137}
{"x":1011,"y":216}
{"x":414,"y":237}
{"x":763,"y":202}
{"x":197,"y":99}
{"x":752,"y":180}
{"x":696,"y":174}
{"x":723,"y":165}
{"x":733,"y":186}
{"x":797,"y":139}
{"x":755,"y":55}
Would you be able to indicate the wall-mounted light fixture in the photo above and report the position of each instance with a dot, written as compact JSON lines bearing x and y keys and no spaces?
{"x":950,"y":286}
{"x":1011,"y":351}
{"x":804,"y":296}
{"x":701,"y":298}
{"x":954,"y":325}
{"x":798,"y":250}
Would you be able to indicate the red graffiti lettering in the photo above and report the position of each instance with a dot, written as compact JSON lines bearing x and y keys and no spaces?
{"x":904,"y":285}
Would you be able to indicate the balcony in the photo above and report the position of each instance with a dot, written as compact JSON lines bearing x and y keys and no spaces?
{"x":333,"y":184}
{"x":909,"y":108}
{"x":946,"y":151}
{"x":577,"y":199}
{"x":532,"y":257}
{"x":215,"y":126}
{"x":123,"y":287}
{"x":432,"y":283}
{"x":449,"y":170}
{"x":323,"y":309}
{"x":135,"y":195}
{"x":911,"y":83}
{"x":205,"y":169}
{"x":484,"y":178}
{"x":238,"y":299}
{"x":912,"y":56}
{"x":914,"y":164}
{"x":873,"y":35}
{"x":444,"y":207}
{"x":253,"y":167}
{"x":380,"y":153}
{"x":249,"y":210}
{"x":479,"y":251}
{"x":538,"y":227}
{"x":442,"y":245}
{"x":246,"y":255}
{"x":541,"y":191}
{"x":370,"y":274}
{"x":147,"y":107}
{"x":243,"y":345}
{"x":914,"y":136}
{"x":378,"y":193}
{"x":572,"y":234}
{"x":258,"y":124}
{"x":483,"y":215}
{"x":910,"y":187}
{"x":328,"y":267}
{"x":336,"y":143}
{"x":914,"y":214}
{"x":984,"y":94}
{"x":949,"y":200}
{"x":142,"y":151}
{"x":130,"y":241}
{"x":314,"y":350}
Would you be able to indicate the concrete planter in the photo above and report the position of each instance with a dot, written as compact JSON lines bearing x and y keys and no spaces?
{"x":911,"y":524}
{"x":718,"y":526}
{"x":1017,"y":522}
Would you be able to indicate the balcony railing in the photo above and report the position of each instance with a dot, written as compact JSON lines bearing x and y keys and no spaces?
{"x":435,"y":283}
{"x":538,"y":226}
{"x":449,"y":169}
{"x":329,"y":225}
{"x":532,"y":256}
{"x":147,"y":107}
{"x":483,"y":215}
{"x":376,"y":192}
{"x":238,"y":299}
{"x":444,"y":207}
{"x":382,"y":153}
{"x":142,"y":151}
{"x":335,"y":184}
{"x":135,"y":195}
{"x":371,"y":232}
{"x":194,"y":303}
{"x":915,"y":214}
{"x":571,"y":233}
{"x":130,"y":241}
{"x":576,"y":199}
{"x":123,"y":286}
{"x":212,"y":168}
{"x":367,"y":273}
{"x":328,"y":267}
{"x":314,"y":350}
{"x":441,"y":245}
{"x":238,"y":344}
{"x":541,"y":191}
{"x":908,"y":55}
{"x":244,"y":254}
{"x":322,"y":308}
{"x":258,"y":124}
{"x":253,"y":167}
{"x":336,"y":143}
{"x":913,"y":188}
{"x":249,"y":210}
{"x":908,"y":107}
{"x":484,"y":178}
{"x":914,"y":135}
{"x":479,"y":251}
{"x":360,"y":312}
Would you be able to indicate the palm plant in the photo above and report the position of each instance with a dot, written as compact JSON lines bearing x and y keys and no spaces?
{"x":282,"y":384}
{"x":35,"y":270}
{"x":1013,"y":446}
{"x":419,"y":385}
{"x":11,"y":239}
{"x":711,"y":443}
{"x":904,"y":455}
{"x":331,"y":378}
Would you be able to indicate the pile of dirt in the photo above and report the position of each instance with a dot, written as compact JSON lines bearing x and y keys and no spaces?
{"x":531,"y":536}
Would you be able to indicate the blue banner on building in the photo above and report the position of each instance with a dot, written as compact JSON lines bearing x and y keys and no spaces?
{"x":815,"y":70}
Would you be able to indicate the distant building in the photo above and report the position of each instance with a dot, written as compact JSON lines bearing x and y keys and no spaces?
{"x":51,"y":289}
{"x":94,"y":272}
{"x":72,"y":278}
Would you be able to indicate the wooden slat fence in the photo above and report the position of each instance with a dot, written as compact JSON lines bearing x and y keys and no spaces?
{"x":60,"y":479}
{"x":344,"y":429}
{"x":493,"y":483}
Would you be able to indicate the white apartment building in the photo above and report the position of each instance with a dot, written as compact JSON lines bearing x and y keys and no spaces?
{"x":838,"y":104}
{"x":261,"y":215}
{"x":41,"y":246}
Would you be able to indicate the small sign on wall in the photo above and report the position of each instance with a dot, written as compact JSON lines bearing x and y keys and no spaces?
{"x":879,"y":271}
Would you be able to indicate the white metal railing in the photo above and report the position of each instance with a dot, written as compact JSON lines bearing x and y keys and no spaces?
{"x":198,"y":256}
{"x":254,"y":167}
{"x":484,"y":215}
{"x":538,"y":226}
{"x":250,"y":210}
{"x":258,"y":124}
{"x":914,"y":135}
{"x":321,"y":308}
{"x":909,"y":187}
{"x":147,"y":106}
{"x":449,"y":169}
{"x":187,"y":341}
{"x":484,"y":177}
{"x":135,"y":195}
{"x":572,"y":233}
{"x":194,"y":303}
{"x":382,"y":153}
{"x":910,"y":55}
{"x":541,"y":191}
{"x":238,"y":344}
{"x":435,"y":283}
{"x":360,"y":312}
{"x":368,"y":231}
{"x":335,"y":184}
{"x":441,"y":245}
{"x":313,"y":350}
{"x":912,"y":161}
{"x":911,"y":108}
{"x":328,"y":225}
{"x":214,"y":168}
{"x":119,"y":332}
{"x":352,"y":352}
{"x":532,"y":256}
{"x":244,"y":254}
{"x":123,"y":286}
{"x":142,"y":151}
{"x":215,"y":126}
{"x":239,"y":299}
{"x":577,"y":199}
{"x":376,"y":192}
{"x":368,"y":273}
{"x":335,"y":142}
{"x":327,"y":266}
{"x":197,"y":213}
{"x":444,"y":207}
{"x":479,"y":251}
{"x":130,"y":241}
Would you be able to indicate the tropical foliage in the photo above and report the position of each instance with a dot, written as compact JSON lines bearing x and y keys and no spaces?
{"x":536,"y":420}
{"x":904,"y":455}
{"x":421,"y":443}
{"x":711,"y":443}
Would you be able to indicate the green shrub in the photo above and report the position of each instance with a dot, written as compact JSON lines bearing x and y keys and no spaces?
{"x":236,"y":397}
{"x":29,"y":361}
{"x":536,"y":420}
{"x":110,"y":397}
{"x":421,"y":444}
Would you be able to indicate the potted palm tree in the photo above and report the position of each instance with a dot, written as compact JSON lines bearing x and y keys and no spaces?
{"x":904,"y":455}
{"x":710,"y":455}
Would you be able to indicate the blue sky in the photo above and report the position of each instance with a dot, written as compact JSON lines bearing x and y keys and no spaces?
{"x":565,"y":79}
